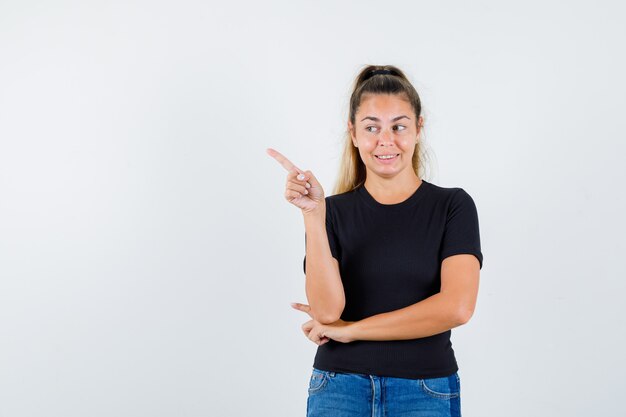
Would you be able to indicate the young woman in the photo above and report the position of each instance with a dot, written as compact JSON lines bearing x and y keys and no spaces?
{"x":392,"y":264}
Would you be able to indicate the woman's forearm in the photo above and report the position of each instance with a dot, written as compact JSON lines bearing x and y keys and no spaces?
{"x":433,"y":315}
{"x":323,"y":285}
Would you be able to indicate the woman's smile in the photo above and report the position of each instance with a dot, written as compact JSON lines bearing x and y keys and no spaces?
{"x":387,"y":159}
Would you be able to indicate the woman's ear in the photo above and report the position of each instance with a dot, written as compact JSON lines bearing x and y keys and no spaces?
{"x":420,"y":125}
{"x":351,"y":130}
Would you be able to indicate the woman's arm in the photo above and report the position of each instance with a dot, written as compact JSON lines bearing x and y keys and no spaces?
{"x":425,"y":318}
{"x":323,"y":286}
{"x":451,"y":307}
{"x":436,"y":314}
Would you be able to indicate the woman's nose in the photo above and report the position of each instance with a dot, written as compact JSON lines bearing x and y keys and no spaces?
{"x":385,"y":136}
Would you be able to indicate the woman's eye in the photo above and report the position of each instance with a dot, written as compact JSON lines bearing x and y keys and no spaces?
{"x":396,"y":127}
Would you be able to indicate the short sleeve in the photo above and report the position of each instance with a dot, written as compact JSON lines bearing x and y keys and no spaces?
{"x":461,"y":234}
{"x":333,"y":242}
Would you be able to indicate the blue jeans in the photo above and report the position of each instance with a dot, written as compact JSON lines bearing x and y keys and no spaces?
{"x":340,"y":394}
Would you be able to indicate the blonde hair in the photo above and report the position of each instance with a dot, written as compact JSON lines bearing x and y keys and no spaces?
{"x":351,"y":168}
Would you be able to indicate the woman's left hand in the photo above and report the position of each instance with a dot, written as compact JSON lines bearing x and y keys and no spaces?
{"x":320,"y":333}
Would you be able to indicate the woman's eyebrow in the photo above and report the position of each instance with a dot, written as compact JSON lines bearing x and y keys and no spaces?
{"x":376,"y":119}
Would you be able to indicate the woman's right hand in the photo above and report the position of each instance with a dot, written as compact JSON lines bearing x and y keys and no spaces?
{"x":302,"y":190}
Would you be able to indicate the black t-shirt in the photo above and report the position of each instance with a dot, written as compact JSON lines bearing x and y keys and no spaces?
{"x":390,"y":257}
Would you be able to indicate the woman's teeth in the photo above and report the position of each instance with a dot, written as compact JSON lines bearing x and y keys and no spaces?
{"x":386,"y":156}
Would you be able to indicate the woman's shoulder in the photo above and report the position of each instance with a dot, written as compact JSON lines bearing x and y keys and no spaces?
{"x":447,"y":192}
{"x":343,"y":197}
{"x":342,"y":201}
{"x":454,"y":199}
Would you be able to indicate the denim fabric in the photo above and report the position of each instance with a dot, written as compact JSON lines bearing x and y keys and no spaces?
{"x":339,"y":394}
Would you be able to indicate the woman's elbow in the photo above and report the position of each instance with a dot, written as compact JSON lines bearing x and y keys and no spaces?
{"x":328,"y":317}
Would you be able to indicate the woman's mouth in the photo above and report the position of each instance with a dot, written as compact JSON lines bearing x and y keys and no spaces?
{"x":387,"y":159}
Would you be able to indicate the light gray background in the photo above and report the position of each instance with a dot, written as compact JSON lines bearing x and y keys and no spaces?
{"x":148,"y":257}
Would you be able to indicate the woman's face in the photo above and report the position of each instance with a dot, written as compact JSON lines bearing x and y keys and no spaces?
{"x":385,"y":126}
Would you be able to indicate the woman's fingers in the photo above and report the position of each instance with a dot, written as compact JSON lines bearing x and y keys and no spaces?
{"x":306,"y":327}
{"x":310,"y":179}
{"x":297,"y":187}
{"x":294,"y":177}
{"x":302,"y":307}
{"x":295,"y":173}
{"x":286,"y":163}
{"x":316,"y":335}
{"x":302,"y":188}
{"x":290,"y":195}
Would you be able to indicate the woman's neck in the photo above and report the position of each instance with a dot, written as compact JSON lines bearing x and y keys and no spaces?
{"x":392,"y":190}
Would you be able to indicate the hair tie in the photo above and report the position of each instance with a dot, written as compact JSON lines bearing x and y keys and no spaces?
{"x":380,"y":71}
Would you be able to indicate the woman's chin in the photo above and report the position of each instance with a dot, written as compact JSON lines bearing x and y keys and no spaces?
{"x":386,"y":172}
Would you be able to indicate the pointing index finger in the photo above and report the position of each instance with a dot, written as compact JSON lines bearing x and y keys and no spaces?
{"x":286,"y":163}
